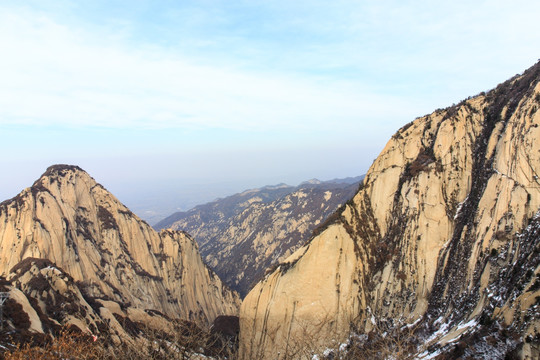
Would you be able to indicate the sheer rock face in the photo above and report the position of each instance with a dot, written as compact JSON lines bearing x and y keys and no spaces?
{"x":242,"y":235}
{"x":443,"y":229}
{"x":69,"y":219}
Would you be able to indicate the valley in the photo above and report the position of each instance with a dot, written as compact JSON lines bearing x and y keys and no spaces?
{"x":242,"y":235}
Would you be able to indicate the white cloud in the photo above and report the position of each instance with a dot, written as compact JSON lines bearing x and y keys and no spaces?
{"x":344,"y":67}
{"x":58,"y":75}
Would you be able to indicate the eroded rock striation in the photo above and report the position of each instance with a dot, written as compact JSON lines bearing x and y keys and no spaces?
{"x":443,"y":234}
{"x":108,"y":253}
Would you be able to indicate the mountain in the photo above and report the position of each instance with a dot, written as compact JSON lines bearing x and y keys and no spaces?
{"x":242,"y":235}
{"x":216,"y":213}
{"x":69,"y":226}
{"x":436,"y":256}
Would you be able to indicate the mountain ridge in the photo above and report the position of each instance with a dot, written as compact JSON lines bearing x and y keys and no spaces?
{"x":66,"y":217}
{"x":242,"y":235}
{"x":267,"y":192}
{"x":442,"y":215}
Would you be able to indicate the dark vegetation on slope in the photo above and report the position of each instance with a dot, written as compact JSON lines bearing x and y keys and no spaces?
{"x":508,"y":94}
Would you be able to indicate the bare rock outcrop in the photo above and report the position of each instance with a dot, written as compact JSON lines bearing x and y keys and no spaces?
{"x":443,"y":235}
{"x":111,"y":254}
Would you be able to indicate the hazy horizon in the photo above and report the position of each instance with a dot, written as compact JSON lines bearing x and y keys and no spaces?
{"x":183,"y":100}
{"x":163,"y":197}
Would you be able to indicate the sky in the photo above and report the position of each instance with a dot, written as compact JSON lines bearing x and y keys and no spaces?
{"x":173,"y":103}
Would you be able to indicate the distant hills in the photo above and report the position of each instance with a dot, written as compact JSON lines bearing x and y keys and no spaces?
{"x":243,"y":234}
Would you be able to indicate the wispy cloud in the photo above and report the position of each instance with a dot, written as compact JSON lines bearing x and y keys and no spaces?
{"x":263,"y":66}
{"x":55,"y":74}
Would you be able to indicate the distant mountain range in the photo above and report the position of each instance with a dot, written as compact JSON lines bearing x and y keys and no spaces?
{"x":241,"y":235}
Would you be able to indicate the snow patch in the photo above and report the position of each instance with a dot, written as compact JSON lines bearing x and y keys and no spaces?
{"x":468,"y":325}
{"x":442,"y":330}
{"x":458,"y":209}
{"x":53,"y":269}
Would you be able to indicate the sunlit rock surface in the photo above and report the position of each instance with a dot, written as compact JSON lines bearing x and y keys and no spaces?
{"x":107,"y":251}
{"x":442,"y":234}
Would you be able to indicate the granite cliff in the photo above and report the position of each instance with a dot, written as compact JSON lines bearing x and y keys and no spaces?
{"x":69,"y":227}
{"x":442,"y":240}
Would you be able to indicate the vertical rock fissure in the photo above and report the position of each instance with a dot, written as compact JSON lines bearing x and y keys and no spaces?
{"x":453,"y":260}
{"x":289,"y":330}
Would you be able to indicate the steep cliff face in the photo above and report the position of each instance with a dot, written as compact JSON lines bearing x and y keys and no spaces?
{"x":69,"y":219}
{"x":441,"y":235}
{"x":242,"y":235}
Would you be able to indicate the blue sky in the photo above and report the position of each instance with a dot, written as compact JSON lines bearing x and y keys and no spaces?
{"x":146,"y":94}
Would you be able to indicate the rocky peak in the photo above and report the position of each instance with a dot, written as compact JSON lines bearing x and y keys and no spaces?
{"x":61,"y":174}
{"x":443,"y":214}
{"x":62,"y":170}
{"x":69,"y":219}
